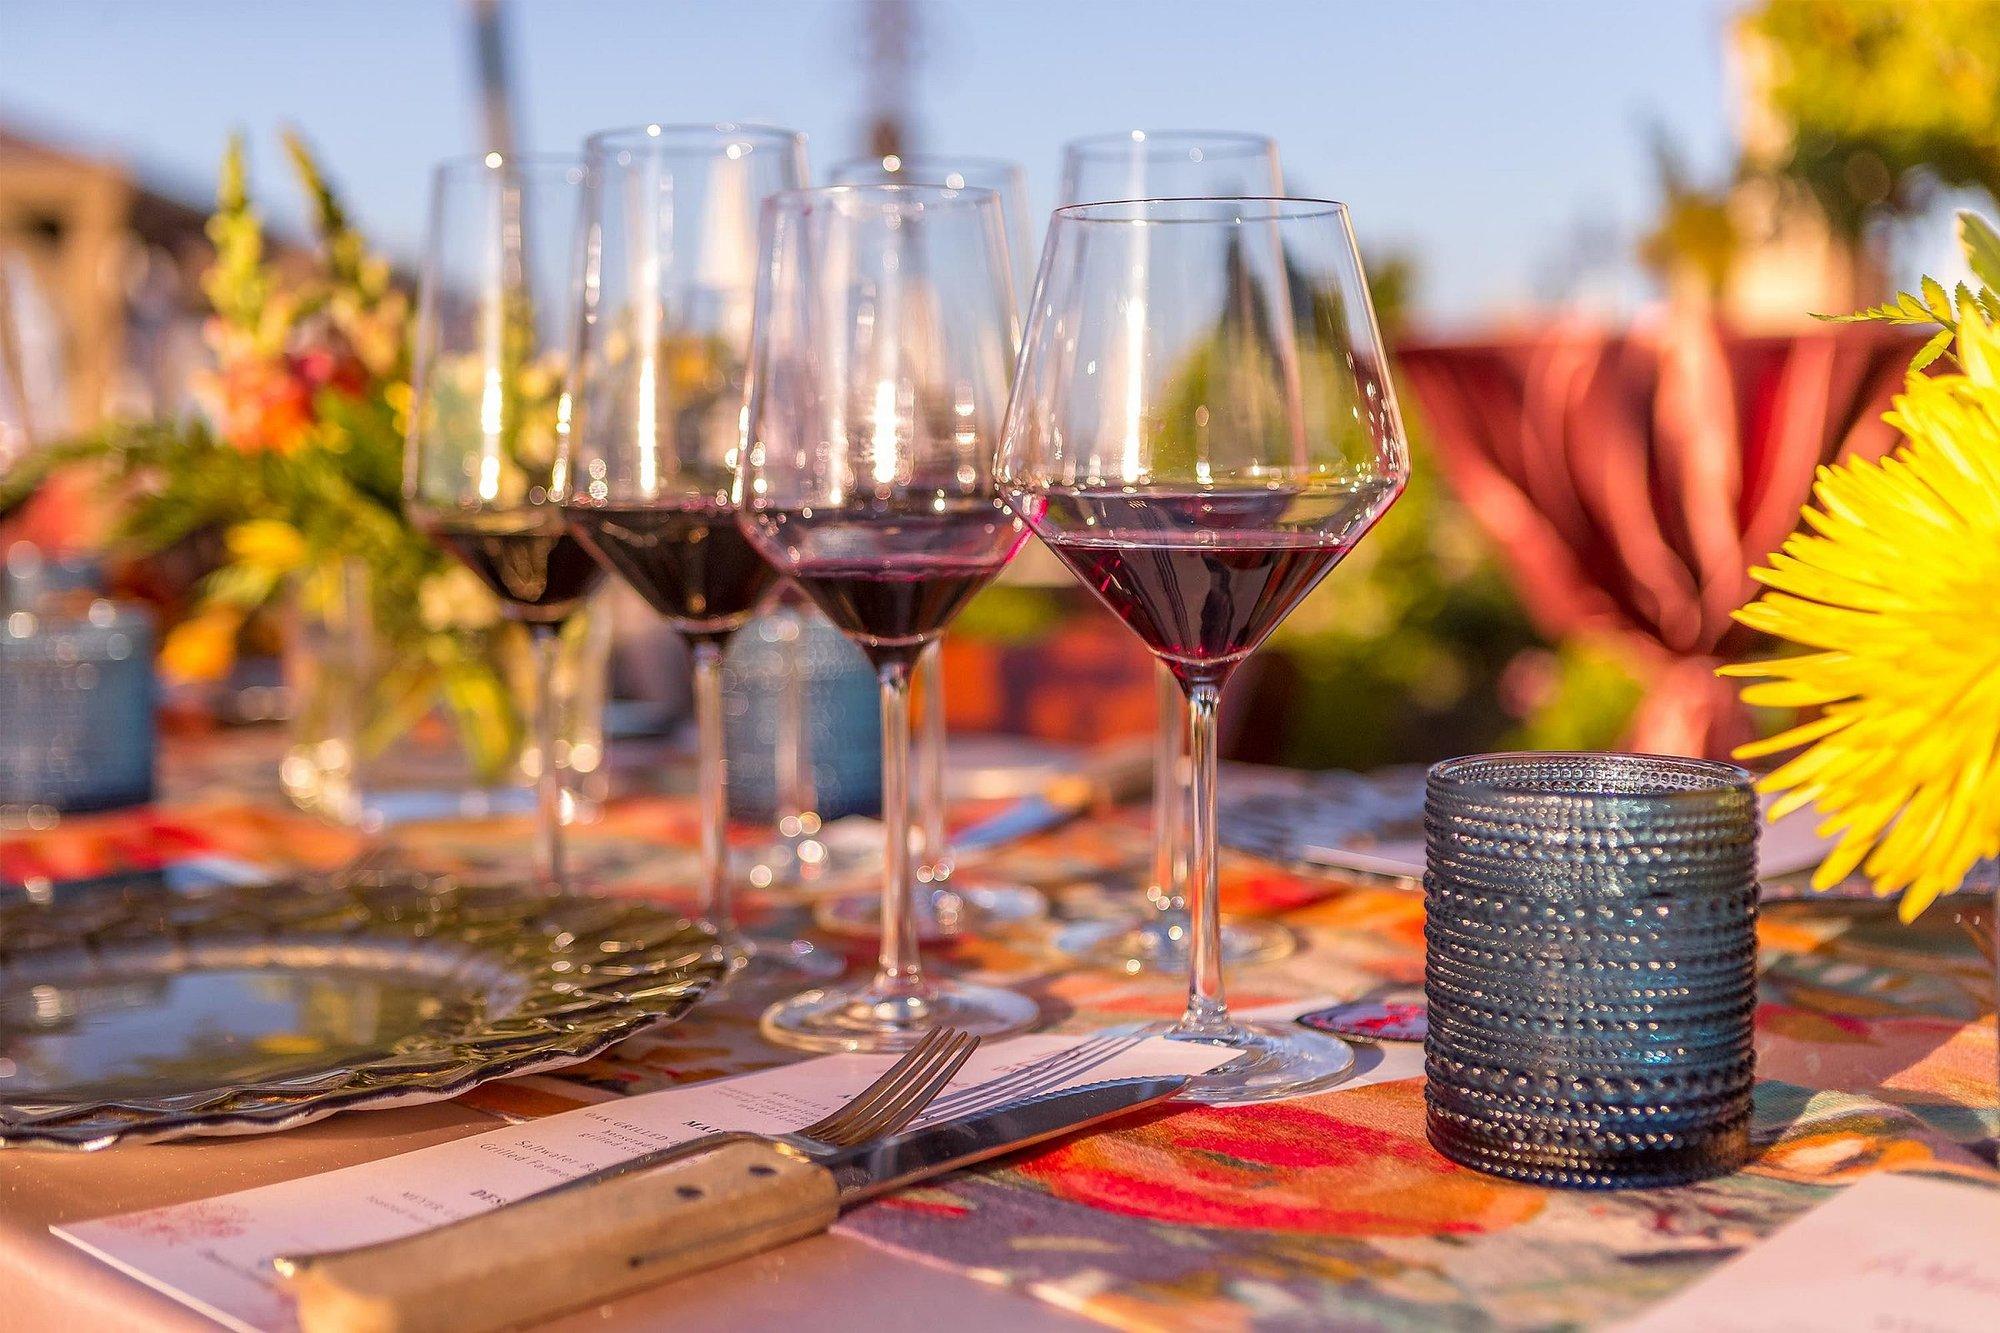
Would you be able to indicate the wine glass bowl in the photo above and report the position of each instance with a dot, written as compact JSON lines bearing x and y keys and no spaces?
{"x":1202,"y":426}
{"x":885,"y":331}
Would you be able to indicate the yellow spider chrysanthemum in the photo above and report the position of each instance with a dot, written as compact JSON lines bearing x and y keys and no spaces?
{"x":1894,"y":587}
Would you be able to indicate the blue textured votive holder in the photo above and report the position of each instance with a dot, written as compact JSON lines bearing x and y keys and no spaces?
{"x":840,"y":710}
{"x":1590,"y":966}
{"x":76,"y":711}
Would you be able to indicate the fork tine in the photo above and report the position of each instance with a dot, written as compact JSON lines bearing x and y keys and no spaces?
{"x":892,"y":1078}
{"x":888,"y":1078}
{"x":920,"y":1083}
{"x":914,"y":1106}
{"x":916,"y":1094}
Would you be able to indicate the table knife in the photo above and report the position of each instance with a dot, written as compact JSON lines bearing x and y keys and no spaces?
{"x":569,"y":1248}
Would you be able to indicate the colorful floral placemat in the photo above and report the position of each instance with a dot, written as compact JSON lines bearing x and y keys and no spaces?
{"x":1876,"y":1050}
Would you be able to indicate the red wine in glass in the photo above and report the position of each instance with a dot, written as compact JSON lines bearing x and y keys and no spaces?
{"x":525,"y":556}
{"x":893,"y":581}
{"x":1203,"y":577}
{"x":689,"y":561}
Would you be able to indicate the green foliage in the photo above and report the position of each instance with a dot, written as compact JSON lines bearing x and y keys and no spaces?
{"x":1884,"y":99}
{"x":1588,"y":702}
{"x":1932,"y":308}
{"x":1696,"y":230}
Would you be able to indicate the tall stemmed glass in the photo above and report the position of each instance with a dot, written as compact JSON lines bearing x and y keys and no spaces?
{"x":492,"y":339}
{"x":952,"y":900}
{"x":1168,"y":164}
{"x":666,"y":278}
{"x":1202,"y":426}
{"x":878,"y":378}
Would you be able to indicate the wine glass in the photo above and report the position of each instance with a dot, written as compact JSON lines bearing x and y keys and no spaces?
{"x":1202,"y":426}
{"x":951,"y":901}
{"x":488,"y":362}
{"x":1168,"y":164}
{"x":665,"y":283}
{"x":878,"y":378}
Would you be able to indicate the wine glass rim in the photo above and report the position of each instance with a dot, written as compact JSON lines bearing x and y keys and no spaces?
{"x":663,"y":134}
{"x":974,"y":196}
{"x":506,"y":164}
{"x":1232,"y":143}
{"x":1210,"y":209}
{"x":880,"y":160}
{"x":1711,"y":776}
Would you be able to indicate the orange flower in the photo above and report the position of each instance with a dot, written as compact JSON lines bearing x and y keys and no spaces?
{"x":263,"y":401}
{"x":260,"y":404}
{"x":201,"y":648}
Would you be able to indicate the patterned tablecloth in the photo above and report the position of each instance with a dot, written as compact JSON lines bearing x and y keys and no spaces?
{"x":1876,"y":1052}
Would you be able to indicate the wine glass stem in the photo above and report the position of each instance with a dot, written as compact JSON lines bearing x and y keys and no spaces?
{"x":550,"y":869}
{"x":716,"y":906}
{"x":1168,"y":890}
{"x":796,"y":797}
{"x":930,"y":764}
{"x":900,"y":971}
{"x":1206,"y":1007}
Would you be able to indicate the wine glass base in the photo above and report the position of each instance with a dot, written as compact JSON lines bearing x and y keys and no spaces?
{"x":864,"y":1017}
{"x":800,"y":865}
{"x":778,"y":964}
{"x":1278,"y":1060}
{"x":1160,"y":943}
{"x":942,"y":912}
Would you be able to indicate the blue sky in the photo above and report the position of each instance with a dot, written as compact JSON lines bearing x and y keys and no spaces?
{"x":1492,"y":140}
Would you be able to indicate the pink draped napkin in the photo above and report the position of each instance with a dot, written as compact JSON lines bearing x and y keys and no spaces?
{"x":1632,"y":479}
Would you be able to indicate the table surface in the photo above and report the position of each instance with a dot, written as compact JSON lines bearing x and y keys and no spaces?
{"x":1876,"y":1051}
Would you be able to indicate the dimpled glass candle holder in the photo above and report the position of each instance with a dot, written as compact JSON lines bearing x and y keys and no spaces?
{"x":1590,"y":966}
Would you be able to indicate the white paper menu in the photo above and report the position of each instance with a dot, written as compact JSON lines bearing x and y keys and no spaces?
{"x":214,"y":1254}
{"x":1894,"y":1253}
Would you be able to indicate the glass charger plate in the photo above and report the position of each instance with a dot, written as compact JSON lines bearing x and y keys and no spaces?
{"x":139,"y":1017}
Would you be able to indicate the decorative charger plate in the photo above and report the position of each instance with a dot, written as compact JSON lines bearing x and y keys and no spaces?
{"x":1369,"y":828}
{"x":138,"y":1017}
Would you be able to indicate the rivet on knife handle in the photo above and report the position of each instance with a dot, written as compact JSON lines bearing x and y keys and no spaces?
{"x":570,"y":1248}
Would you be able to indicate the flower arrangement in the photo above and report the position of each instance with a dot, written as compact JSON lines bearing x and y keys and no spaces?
{"x":296,"y":459}
{"x":1890,"y":589}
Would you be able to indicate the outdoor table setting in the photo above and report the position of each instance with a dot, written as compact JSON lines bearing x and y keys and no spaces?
{"x":1555,"y":1038}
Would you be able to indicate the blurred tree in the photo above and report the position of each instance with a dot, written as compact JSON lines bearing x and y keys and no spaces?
{"x":1885,"y":102}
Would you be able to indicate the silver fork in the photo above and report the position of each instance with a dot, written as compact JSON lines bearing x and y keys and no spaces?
{"x":877,"y":1111}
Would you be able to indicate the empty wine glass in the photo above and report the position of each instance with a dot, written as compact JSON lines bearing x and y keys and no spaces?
{"x":492,"y":337}
{"x":1201,"y":427}
{"x":878,"y":378}
{"x":665,"y":285}
{"x":1168,"y":164}
{"x":952,"y":900}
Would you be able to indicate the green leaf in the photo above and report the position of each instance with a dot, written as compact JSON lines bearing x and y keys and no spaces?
{"x":1981,"y":244}
{"x":1936,"y":301}
{"x":1932,"y":350}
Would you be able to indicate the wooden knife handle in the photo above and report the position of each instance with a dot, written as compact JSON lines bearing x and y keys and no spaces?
{"x":545,"y":1255}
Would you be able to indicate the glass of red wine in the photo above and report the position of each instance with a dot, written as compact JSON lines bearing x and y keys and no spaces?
{"x":1202,"y":426}
{"x":1168,"y":164}
{"x":878,"y":377}
{"x":665,"y":281}
{"x":951,"y":900}
{"x":488,"y":363}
